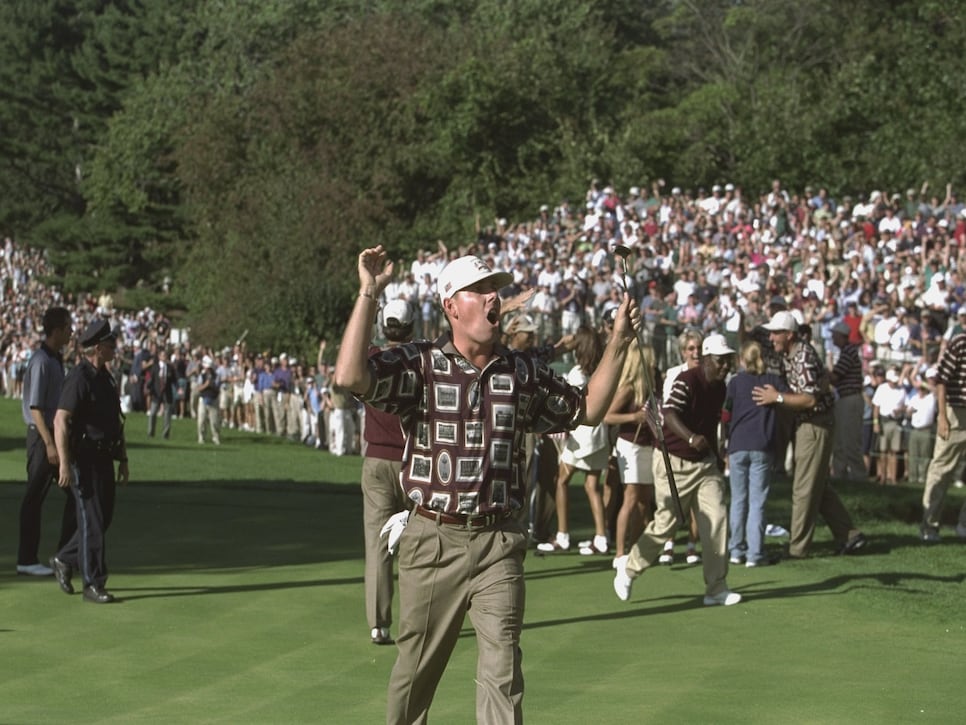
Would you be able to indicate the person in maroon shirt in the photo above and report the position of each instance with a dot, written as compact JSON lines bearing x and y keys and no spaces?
{"x":691,"y":416}
{"x":381,"y":494}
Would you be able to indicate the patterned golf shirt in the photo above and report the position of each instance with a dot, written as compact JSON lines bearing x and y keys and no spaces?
{"x":464,"y":427}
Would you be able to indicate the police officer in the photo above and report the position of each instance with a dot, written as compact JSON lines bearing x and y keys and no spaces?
{"x":89,"y":432}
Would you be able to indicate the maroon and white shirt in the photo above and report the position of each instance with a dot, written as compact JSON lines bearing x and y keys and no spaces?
{"x":464,"y":427}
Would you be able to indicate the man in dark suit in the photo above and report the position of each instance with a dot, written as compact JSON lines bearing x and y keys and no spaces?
{"x":163,"y":383}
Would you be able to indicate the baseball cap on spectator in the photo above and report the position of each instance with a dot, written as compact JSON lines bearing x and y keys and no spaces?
{"x":778,"y":301}
{"x":465,"y":272}
{"x":716,"y":345}
{"x":522,"y":323}
{"x":939,"y":277}
{"x":842,"y":329}
{"x":729,"y":187}
{"x":207,"y":362}
{"x":676,"y":191}
{"x":782,"y":321}
{"x":932,"y":372}
{"x":397,"y":313}
{"x":961,"y":310}
{"x":635,"y":191}
{"x":892,"y":376}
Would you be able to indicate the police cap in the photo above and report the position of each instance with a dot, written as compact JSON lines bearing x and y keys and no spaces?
{"x":98,"y":331}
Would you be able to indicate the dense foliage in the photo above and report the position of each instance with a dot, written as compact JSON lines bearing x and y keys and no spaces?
{"x":245,"y":151}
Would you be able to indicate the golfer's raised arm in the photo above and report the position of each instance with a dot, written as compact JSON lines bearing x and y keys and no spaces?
{"x":351,"y":370}
{"x":603,"y":383}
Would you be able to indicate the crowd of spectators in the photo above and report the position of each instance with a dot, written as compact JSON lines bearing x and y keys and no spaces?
{"x":888,"y":265}
{"x":260,"y":392}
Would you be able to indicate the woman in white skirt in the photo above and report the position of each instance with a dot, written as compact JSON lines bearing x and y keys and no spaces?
{"x":634,"y":448}
{"x":586,"y":449}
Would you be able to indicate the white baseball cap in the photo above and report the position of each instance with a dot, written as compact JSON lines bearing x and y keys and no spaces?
{"x":782,"y":321}
{"x":716,"y":345}
{"x":398,"y":311}
{"x":892,"y":376}
{"x":466,"y":271}
{"x":522,"y":323}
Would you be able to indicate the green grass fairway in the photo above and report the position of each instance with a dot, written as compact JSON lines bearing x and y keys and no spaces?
{"x":240,"y":570}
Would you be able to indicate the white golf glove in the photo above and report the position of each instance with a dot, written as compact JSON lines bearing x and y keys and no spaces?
{"x":394,"y":527}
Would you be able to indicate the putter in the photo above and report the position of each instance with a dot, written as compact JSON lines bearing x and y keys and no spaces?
{"x":624,"y":252}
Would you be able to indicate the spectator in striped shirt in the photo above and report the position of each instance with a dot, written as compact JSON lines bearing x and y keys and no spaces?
{"x":950,"y":439}
{"x":846,"y":376}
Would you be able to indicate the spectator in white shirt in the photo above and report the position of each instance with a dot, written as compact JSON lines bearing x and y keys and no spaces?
{"x":921,"y":407}
{"x":888,"y":409}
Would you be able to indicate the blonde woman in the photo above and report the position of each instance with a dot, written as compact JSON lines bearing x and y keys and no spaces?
{"x":634,"y":447}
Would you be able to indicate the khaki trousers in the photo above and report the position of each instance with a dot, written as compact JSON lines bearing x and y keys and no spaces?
{"x":381,"y":498}
{"x":445,"y":573}
{"x":946,"y":458}
{"x":811,"y":492}
{"x":701,"y":487}
{"x":279,"y":412}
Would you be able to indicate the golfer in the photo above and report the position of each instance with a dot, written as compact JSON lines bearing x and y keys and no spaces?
{"x":464,"y":402}
{"x":691,"y":416}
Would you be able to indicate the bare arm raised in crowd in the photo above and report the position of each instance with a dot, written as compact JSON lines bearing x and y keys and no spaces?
{"x":603,"y":383}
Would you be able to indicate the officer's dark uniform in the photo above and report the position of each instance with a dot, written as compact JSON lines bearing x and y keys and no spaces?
{"x":96,"y":441}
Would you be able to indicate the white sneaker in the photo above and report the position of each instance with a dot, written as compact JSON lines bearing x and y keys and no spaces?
{"x":622,"y":581}
{"x":560,"y":543}
{"x":776,"y":531}
{"x":726,"y":598}
{"x":693,"y":557}
{"x":737,"y":560}
{"x":961,"y":531}
{"x":668,"y":556}
{"x":34,"y":570}
{"x":597,"y":546}
{"x":380,"y":635}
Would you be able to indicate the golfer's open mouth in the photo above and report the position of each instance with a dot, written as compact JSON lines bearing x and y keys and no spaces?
{"x":493,"y":316}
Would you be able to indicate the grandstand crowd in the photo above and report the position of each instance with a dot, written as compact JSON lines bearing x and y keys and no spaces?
{"x":886,"y":264}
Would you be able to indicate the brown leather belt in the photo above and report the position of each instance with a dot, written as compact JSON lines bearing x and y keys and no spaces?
{"x":467,"y":521}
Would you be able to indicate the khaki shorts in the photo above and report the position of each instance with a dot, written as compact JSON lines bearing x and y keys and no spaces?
{"x":890,"y":436}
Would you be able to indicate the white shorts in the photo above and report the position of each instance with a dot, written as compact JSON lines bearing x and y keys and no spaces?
{"x":634,"y":462}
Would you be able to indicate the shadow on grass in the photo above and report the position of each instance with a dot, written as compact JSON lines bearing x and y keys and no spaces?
{"x":11,"y":443}
{"x":215,"y":526}
{"x":128,"y":594}
{"x":837,"y":585}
